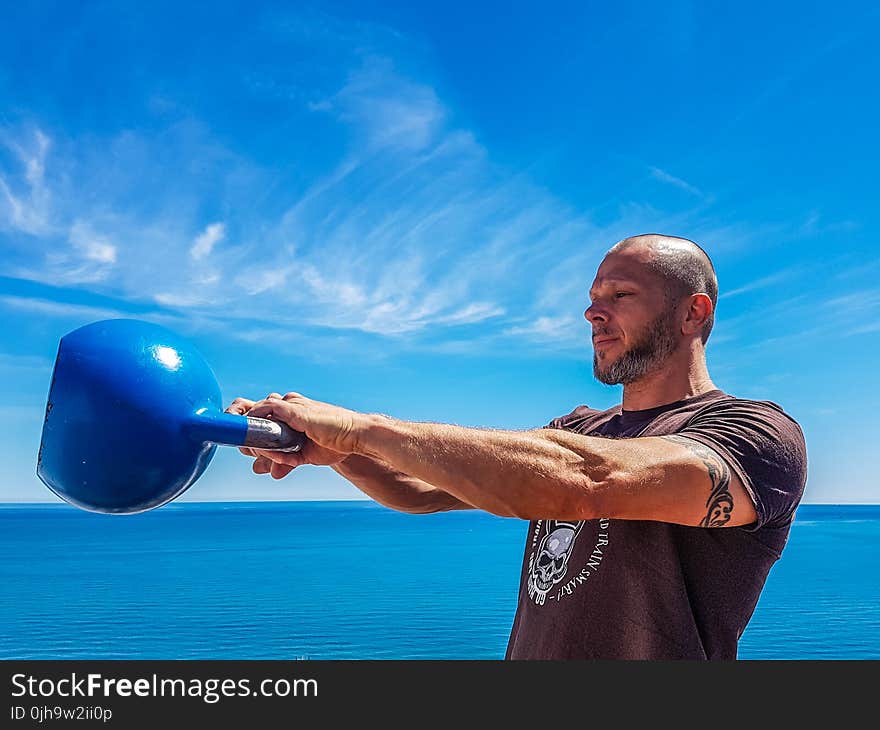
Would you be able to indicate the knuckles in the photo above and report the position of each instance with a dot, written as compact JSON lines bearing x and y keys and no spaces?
{"x":239,"y":406}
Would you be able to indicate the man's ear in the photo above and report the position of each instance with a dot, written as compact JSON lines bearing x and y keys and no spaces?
{"x":699,"y":310}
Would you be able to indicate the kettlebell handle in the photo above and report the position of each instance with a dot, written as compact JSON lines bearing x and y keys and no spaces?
{"x":269,"y":435}
{"x":233,"y":430}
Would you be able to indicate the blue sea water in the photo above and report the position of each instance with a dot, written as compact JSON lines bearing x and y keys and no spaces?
{"x":353,"y":580}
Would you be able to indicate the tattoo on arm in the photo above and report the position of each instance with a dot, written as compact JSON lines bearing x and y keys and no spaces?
{"x":720,"y":501}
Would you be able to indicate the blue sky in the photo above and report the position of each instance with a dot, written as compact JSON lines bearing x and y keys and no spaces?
{"x":400,"y":207}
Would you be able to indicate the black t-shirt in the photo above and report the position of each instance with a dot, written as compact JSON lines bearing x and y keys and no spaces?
{"x":638,"y":589}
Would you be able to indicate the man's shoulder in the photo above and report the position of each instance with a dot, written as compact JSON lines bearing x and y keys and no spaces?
{"x":717,"y":408}
{"x":738,"y":406}
{"x":741,"y":424}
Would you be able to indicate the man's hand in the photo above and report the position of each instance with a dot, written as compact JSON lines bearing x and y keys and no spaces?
{"x":332,"y":425}
{"x":329,"y":427}
{"x":279,"y":463}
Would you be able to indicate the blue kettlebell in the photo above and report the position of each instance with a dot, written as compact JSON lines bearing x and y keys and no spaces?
{"x":134,"y":417}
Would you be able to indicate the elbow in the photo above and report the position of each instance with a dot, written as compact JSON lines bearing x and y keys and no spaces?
{"x":408,"y":508}
{"x":429,"y":503}
{"x":585,"y":497}
{"x":578,"y":484}
{"x":559,"y":502}
{"x":568,"y":495}
{"x":404,"y":506}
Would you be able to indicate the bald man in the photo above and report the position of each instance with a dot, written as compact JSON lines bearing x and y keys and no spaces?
{"x":652,"y":525}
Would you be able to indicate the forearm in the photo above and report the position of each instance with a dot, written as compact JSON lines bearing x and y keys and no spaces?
{"x":395,"y":489}
{"x":526,"y":474}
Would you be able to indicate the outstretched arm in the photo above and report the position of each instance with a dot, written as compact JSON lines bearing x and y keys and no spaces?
{"x":380,"y":481}
{"x":394,"y":489}
{"x":544,"y":473}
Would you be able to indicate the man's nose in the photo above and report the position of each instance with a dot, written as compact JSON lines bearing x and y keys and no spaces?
{"x":594,"y":314}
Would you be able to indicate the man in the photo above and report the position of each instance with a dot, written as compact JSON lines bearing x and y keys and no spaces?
{"x":653,"y":524}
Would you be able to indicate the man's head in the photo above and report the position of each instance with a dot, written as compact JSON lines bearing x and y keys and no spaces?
{"x":652,"y":295}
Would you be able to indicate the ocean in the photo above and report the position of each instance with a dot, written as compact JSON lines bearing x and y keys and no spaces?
{"x":354,"y":580}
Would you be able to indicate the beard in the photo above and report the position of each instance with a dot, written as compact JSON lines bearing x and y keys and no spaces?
{"x":646,"y":355}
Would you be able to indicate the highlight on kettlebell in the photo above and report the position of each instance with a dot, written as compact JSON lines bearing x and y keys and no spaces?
{"x":134,"y":416}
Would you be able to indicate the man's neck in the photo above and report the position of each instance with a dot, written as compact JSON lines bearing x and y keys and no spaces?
{"x":676,"y":381}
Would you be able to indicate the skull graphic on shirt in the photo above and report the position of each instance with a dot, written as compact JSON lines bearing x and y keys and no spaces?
{"x":551,"y":563}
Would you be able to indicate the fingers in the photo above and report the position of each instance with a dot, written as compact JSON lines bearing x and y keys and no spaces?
{"x":277,"y":464}
{"x":280,"y":410}
{"x":275,"y":405}
{"x":261,"y":465}
{"x":251,"y":452}
{"x":264,"y":465}
{"x":281,"y":457}
{"x":279,"y":471}
{"x":240,"y":407}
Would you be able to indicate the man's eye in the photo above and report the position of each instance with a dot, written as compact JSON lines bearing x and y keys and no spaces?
{"x":622,"y":294}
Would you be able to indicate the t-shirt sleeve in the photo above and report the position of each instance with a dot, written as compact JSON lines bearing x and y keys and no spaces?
{"x":568,"y":421}
{"x":766,"y":449}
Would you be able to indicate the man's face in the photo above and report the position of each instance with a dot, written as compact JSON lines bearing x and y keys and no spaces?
{"x":634,"y":324}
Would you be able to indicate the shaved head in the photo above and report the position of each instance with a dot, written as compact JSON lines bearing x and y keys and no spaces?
{"x":684,"y":267}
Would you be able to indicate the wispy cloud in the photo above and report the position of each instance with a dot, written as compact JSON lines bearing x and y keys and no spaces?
{"x":551,"y":328}
{"x":803,"y":319}
{"x":856,"y":302}
{"x":77,"y":314}
{"x":814,"y":225}
{"x":389,"y":110}
{"x":11,"y":362}
{"x":206,"y":240}
{"x":761,"y":283}
{"x":412,"y":230}
{"x":677,"y":182}
{"x":49,"y":308}
{"x":25,"y":199}
{"x":865,"y":329}
{"x":473,"y":313}
{"x":92,"y":245}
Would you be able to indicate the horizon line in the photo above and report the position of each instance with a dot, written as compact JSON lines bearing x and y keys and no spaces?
{"x":62,"y":503}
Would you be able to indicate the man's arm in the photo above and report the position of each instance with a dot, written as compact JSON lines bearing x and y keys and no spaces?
{"x":562,"y":475}
{"x":386,"y":485}
{"x":545,"y":473}
{"x":393,"y":488}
